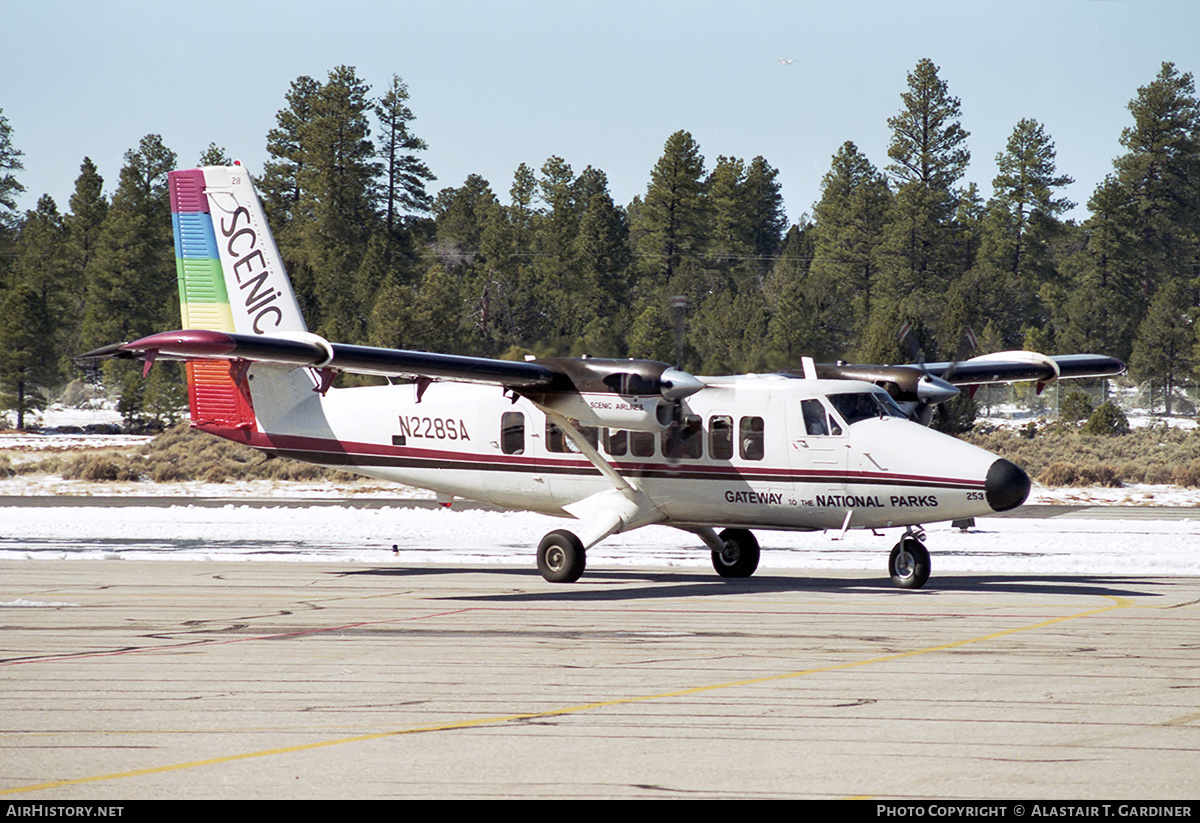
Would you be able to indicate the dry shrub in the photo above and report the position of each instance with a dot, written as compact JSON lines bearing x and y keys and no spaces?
{"x":1154,"y":454}
{"x":1075,"y":474}
{"x":103,"y":467}
{"x":1187,"y":474}
{"x":183,"y":453}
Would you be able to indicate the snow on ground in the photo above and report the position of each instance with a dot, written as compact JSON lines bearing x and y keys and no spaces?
{"x":442,"y":537}
{"x":34,"y":444}
{"x":98,"y":412}
{"x":51,"y":485}
{"x":1132,"y":494}
{"x":446,"y":537}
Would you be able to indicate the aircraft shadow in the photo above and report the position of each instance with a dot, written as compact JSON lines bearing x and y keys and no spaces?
{"x":669,"y":585}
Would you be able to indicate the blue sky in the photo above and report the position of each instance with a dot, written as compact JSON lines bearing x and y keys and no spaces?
{"x":494,"y":84}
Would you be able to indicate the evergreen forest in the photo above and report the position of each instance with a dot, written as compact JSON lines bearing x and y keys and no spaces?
{"x":547,"y":264}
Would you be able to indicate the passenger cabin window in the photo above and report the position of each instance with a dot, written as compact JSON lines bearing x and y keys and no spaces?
{"x":641,"y":444}
{"x":557,"y":440}
{"x":512,"y":433}
{"x":750,"y":438}
{"x":720,"y":437}
{"x":685,"y":439}
{"x":616,"y":442}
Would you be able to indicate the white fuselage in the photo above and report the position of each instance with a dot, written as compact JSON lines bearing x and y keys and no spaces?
{"x":742,"y":455}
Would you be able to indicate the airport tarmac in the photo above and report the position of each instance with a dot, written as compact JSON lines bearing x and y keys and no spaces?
{"x":132,"y":679}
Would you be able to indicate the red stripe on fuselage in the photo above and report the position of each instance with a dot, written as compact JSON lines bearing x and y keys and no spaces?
{"x":331,"y":452}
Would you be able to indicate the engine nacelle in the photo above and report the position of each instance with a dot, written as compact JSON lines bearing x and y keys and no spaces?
{"x":642,"y":413}
{"x":639,"y":395}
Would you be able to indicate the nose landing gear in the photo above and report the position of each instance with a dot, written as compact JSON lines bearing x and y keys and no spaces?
{"x":909,"y":561}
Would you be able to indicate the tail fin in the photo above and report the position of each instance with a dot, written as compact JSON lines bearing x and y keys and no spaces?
{"x":231,"y":278}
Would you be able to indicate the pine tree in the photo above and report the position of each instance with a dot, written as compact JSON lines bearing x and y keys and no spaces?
{"x":404,"y":173}
{"x":768,"y":220}
{"x":728,"y":239}
{"x":280,"y":183}
{"x":849,"y":220}
{"x":1015,"y":259}
{"x":1144,"y":224}
{"x":28,"y":359}
{"x":32,"y":312}
{"x":928,"y":144}
{"x":650,"y":335}
{"x":811,"y":310}
{"x":83,"y":225}
{"x":214,"y":155}
{"x":670,"y":221}
{"x":1024,"y":206}
{"x":338,"y":182}
{"x":919,"y":250}
{"x":1165,"y":349}
{"x":1160,"y":178}
{"x":521,"y":211}
{"x":131,"y":289}
{"x":10,"y":161}
{"x":460,"y":217}
{"x":482,"y":284}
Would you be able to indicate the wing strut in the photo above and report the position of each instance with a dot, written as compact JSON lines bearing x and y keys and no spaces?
{"x":618,"y":509}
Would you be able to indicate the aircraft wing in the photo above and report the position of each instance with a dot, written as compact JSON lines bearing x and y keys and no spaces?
{"x":649,"y":390}
{"x":931,"y":381}
{"x":1024,"y":366}
{"x":303,"y":349}
{"x":926,"y":385}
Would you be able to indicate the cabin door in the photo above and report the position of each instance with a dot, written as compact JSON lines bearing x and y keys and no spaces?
{"x":818,"y":451}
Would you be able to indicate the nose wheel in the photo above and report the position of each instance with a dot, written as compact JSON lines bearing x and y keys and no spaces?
{"x":909,"y":563}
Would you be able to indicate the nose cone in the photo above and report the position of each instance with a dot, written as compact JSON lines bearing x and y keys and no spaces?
{"x":1007,"y":485}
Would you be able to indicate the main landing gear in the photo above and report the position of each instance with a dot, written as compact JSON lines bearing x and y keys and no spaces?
{"x":560,"y":557}
{"x":909,"y":562}
{"x":740,"y":556}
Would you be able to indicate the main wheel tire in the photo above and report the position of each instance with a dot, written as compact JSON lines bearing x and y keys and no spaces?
{"x":740,"y":556}
{"x":909,"y":564}
{"x":560,"y":557}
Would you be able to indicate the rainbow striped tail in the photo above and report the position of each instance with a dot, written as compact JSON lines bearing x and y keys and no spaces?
{"x":231,"y":279}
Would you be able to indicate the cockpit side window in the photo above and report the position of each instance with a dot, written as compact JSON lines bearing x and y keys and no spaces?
{"x":856,"y":406}
{"x":816,"y":421}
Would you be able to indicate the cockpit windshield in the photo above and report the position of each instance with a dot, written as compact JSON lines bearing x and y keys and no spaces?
{"x":855,"y":406}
